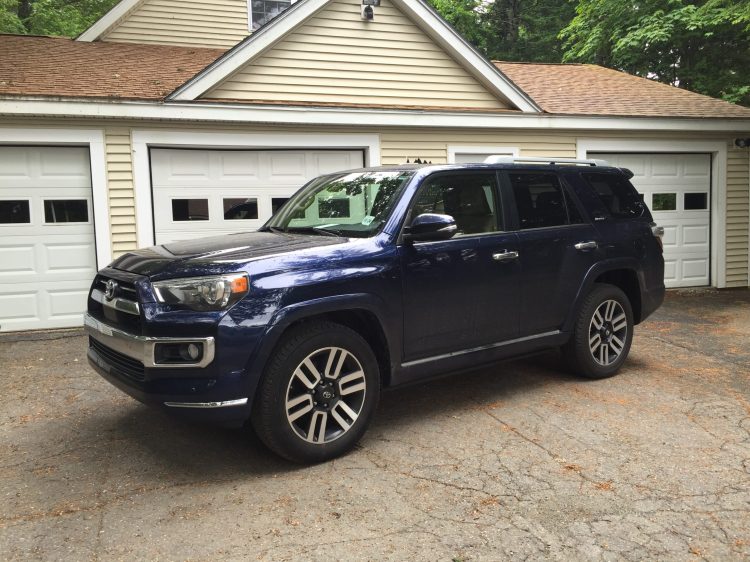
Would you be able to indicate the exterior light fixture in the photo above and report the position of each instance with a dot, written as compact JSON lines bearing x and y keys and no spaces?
{"x":741,"y":143}
{"x":368,"y":13}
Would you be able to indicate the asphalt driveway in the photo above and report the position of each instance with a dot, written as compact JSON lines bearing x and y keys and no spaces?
{"x":518,"y":461}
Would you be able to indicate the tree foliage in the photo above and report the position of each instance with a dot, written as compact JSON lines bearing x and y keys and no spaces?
{"x":700,"y":45}
{"x":51,"y":17}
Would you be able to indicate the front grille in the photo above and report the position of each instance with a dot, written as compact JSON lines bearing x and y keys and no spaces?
{"x":131,"y":368}
{"x":123,"y":320}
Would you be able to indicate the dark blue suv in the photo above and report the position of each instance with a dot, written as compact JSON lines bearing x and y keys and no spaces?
{"x":373,"y":278}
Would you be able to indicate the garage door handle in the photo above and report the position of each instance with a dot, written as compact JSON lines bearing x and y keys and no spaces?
{"x":505,"y":256}
{"x":583,"y":246}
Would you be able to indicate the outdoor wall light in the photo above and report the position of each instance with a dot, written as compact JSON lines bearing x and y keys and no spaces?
{"x":367,"y":12}
{"x":741,"y":143}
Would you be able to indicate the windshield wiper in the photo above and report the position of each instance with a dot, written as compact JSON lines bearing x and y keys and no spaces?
{"x":317,"y":230}
{"x":276,"y":229}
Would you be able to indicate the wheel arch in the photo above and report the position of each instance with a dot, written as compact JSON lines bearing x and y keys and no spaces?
{"x":364,"y":313}
{"x":622,"y":273}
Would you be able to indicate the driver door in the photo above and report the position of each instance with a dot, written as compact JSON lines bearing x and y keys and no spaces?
{"x":458,"y":293}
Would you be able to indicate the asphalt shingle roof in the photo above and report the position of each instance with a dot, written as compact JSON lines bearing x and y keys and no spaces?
{"x":588,"y":89}
{"x":61,"y":67}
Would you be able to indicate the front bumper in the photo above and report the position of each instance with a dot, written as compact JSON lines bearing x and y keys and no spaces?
{"x":128,"y":362}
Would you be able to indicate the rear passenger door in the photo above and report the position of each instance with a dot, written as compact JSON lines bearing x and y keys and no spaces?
{"x":557,"y":246}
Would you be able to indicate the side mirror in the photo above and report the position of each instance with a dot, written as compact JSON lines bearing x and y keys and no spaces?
{"x":430,"y":226}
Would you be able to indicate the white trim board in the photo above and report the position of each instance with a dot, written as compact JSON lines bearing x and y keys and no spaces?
{"x":296,"y":115}
{"x":105,"y":24}
{"x":94,"y":140}
{"x":142,"y":140}
{"x":480,"y":149}
{"x":718,"y":152}
{"x":423,"y":16}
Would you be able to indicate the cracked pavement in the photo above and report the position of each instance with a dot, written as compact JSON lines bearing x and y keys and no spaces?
{"x":519,"y":461}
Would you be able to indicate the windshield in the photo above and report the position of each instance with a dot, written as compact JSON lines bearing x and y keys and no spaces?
{"x":354,"y":204}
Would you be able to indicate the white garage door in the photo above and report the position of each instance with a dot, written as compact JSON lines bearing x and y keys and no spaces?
{"x":677,"y":189}
{"x":209,"y":192}
{"x":47,"y":252}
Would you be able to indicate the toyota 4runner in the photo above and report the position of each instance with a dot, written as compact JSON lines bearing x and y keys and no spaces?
{"x":373,"y":278}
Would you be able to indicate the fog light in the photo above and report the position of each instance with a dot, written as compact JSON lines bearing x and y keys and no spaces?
{"x":193,"y":351}
{"x":176,"y":353}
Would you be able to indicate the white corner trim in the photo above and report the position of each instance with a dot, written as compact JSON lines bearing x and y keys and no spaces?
{"x":480,"y":149}
{"x":718,"y":152}
{"x":482,"y":69}
{"x":244,"y":52}
{"x":94,"y":140}
{"x":142,"y":140}
{"x":104,"y":24}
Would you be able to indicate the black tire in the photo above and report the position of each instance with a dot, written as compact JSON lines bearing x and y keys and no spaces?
{"x":287,"y":380}
{"x":582,"y":354}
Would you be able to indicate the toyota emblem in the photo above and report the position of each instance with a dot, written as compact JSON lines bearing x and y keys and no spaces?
{"x":110,"y":289}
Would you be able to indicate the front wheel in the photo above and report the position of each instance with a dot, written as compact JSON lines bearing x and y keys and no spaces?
{"x":602,"y":333}
{"x":318,"y":394}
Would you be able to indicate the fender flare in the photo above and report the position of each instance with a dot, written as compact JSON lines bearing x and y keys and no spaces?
{"x":288,"y":315}
{"x":588,"y":282}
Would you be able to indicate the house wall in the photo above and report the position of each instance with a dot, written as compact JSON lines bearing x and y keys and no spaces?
{"x":203,"y":23}
{"x":336,"y":57}
{"x":398,"y":144}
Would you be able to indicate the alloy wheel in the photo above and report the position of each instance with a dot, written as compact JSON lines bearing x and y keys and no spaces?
{"x":608,"y":332}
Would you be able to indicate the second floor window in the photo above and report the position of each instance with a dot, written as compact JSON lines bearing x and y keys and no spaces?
{"x":264,"y":11}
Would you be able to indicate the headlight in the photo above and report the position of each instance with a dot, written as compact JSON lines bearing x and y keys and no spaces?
{"x":203,"y":293}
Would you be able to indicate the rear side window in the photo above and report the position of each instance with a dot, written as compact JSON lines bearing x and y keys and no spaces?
{"x":618,"y":195}
{"x":541,"y":201}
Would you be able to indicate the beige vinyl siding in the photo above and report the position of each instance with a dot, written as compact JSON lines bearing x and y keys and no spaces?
{"x":203,"y":23}
{"x":120,"y":189}
{"x":738,"y":216}
{"x":336,"y":57}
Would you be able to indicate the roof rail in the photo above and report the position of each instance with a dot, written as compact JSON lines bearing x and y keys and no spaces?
{"x":504,"y":159}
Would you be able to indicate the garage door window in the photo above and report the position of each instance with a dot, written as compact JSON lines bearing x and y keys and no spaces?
{"x":664,"y":202}
{"x":189,"y":210}
{"x":696,"y":201}
{"x":240,"y":209}
{"x":15,"y":211}
{"x":66,"y":210}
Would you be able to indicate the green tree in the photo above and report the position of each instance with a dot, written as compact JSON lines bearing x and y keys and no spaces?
{"x":700,"y":45}
{"x":527,"y":30}
{"x":467,"y":17}
{"x":51,"y":17}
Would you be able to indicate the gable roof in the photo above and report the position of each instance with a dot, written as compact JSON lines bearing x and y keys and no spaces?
{"x":588,"y":89}
{"x":418,"y":11}
{"x":61,"y":67}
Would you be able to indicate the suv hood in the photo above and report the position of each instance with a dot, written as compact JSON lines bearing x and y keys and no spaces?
{"x":217,"y":254}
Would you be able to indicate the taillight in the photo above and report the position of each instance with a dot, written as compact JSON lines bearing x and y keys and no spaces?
{"x":658,"y":232}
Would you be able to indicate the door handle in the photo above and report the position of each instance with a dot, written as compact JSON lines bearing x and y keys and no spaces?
{"x":505,"y":256}
{"x":583,"y":246}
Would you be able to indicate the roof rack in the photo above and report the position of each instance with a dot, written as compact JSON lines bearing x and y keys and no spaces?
{"x":503,"y":159}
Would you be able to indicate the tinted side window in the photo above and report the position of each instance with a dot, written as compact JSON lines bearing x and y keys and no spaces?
{"x":616,"y":192}
{"x":468,"y":198}
{"x":540,"y":200}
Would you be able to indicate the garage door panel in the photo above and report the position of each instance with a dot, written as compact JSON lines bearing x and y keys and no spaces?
{"x":70,"y":258}
{"x":17,"y":258}
{"x":243,"y":164}
{"x":49,"y":254}
{"x":237,"y":191}
{"x":676,"y":188}
{"x":17,"y":305}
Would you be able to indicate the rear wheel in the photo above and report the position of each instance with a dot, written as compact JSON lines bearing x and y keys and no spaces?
{"x":602,"y":333}
{"x":318,"y":394}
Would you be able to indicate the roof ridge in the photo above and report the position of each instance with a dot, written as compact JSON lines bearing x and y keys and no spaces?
{"x":545,"y":63}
